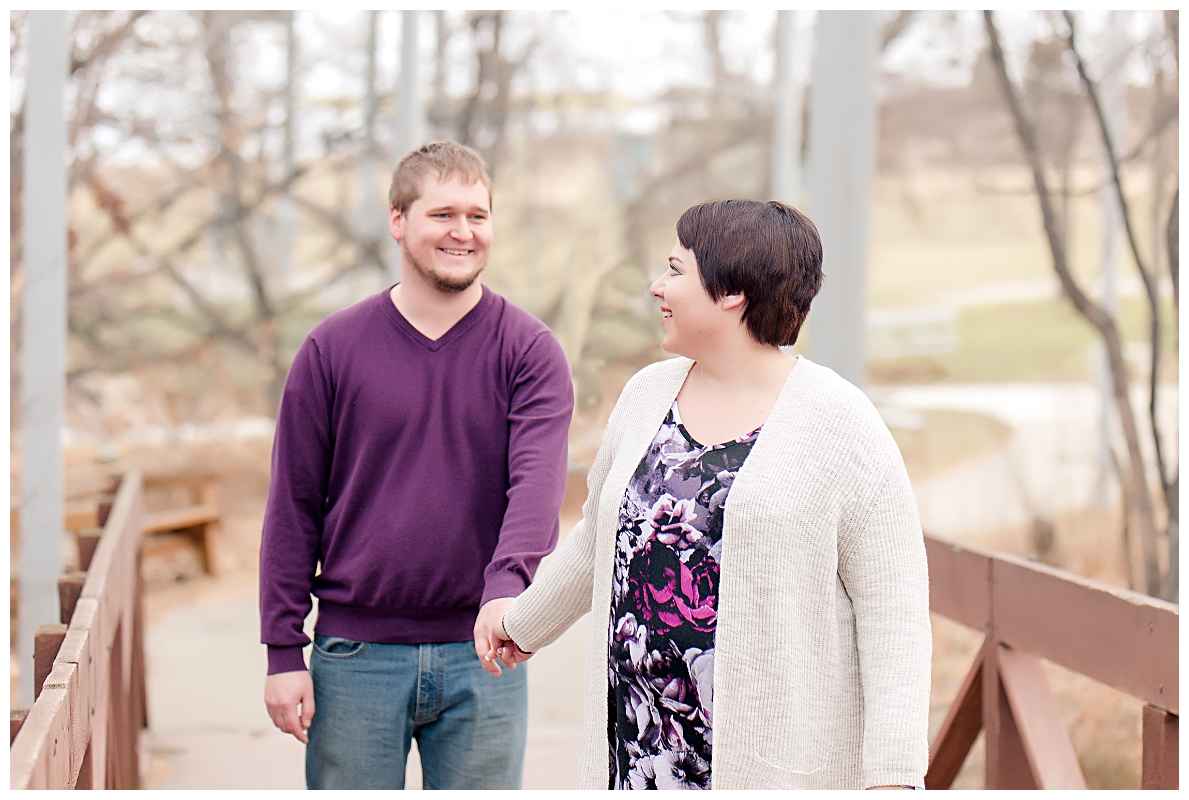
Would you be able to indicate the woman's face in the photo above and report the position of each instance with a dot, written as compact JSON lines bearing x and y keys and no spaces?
{"x":691,"y":320}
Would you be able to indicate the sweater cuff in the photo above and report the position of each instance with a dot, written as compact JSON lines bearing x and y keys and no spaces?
{"x":893,"y":777}
{"x":502,"y":584}
{"x":511,"y":628}
{"x":285,"y":659}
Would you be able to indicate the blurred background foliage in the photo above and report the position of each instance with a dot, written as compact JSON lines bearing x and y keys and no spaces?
{"x":228,"y":171}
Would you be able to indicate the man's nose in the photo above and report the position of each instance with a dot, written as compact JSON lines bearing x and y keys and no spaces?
{"x":461,"y":230}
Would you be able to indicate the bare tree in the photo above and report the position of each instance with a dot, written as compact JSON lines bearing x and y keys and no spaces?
{"x":1168,"y":483}
{"x":1135,"y":477}
{"x":220,"y":162}
{"x":483,"y":121}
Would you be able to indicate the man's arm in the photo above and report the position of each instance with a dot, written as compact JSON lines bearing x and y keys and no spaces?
{"x":542,"y":402}
{"x":289,"y":543}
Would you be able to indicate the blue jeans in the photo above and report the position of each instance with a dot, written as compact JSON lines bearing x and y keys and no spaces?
{"x":371,"y":700}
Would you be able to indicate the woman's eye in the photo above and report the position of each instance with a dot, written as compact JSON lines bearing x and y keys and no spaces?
{"x":673,"y":270}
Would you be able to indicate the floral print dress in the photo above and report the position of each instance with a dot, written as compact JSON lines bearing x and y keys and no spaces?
{"x":664,"y":606}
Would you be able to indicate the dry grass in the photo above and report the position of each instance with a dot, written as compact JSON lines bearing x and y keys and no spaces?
{"x":1086,"y":541}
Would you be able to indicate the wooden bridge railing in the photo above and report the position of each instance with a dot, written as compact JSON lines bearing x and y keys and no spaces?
{"x":83,"y":729}
{"x":1030,"y":611}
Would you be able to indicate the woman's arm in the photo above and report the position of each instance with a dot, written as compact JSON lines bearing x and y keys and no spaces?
{"x":562,"y":590}
{"x":885,"y":573}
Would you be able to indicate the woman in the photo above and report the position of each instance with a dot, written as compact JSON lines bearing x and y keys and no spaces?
{"x":750,"y":546}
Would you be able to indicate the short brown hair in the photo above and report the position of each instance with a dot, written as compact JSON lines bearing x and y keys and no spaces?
{"x":768,"y":252}
{"x":446,"y":159}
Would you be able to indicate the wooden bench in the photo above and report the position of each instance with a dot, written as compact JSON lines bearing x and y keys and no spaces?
{"x":199,"y":519}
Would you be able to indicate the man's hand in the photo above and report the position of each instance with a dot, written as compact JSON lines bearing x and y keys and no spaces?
{"x":492,"y":644}
{"x":283,"y":693}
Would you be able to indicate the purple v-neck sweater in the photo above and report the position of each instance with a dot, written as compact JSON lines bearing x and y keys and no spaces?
{"x":423,"y":477}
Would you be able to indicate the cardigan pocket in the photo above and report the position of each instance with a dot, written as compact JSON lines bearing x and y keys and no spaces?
{"x":788,"y":770}
{"x":762,"y":773}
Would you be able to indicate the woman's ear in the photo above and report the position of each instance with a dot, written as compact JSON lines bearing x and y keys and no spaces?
{"x":731,"y":301}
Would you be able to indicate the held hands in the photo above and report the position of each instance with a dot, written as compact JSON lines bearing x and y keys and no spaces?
{"x":492,"y":644}
{"x":284,"y":692}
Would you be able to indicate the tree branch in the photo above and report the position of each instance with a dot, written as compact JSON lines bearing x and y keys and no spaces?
{"x":896,"y":26}
{"x":1173,"y":234}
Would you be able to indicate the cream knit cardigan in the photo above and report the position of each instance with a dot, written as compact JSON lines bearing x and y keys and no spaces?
{"x":823,"y":644}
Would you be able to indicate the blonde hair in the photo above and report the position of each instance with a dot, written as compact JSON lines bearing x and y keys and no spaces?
{"x":447,"y":159}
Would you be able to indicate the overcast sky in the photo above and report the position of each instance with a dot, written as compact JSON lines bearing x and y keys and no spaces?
{"x":632,"y":54}
{"x":637,"y":54}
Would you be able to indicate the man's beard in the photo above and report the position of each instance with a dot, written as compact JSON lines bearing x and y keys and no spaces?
{"x":442,"y":282}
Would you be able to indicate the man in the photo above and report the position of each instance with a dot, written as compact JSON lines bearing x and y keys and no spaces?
{"x":417,"y":475}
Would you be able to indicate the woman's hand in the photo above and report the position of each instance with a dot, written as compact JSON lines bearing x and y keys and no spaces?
{"x":492,"y":644}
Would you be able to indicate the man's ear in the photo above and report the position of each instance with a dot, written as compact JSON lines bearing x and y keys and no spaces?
{"x":731,"y":301}
{"x":396,"y":222}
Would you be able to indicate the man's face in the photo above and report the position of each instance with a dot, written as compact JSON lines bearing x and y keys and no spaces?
{"x":446,"y":234}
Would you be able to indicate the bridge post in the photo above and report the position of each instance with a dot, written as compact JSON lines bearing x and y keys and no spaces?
{"x":786,"y":123}
{"x":1161,"y":749}
{"x":1007,"y":761}
{"x":47,"y":640}
{"x":841,"y":165}
{"x":43,"y":332}
{"x":410,"y":125}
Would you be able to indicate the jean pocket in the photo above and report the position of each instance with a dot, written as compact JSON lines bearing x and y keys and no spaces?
{"x":336,"y":646}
